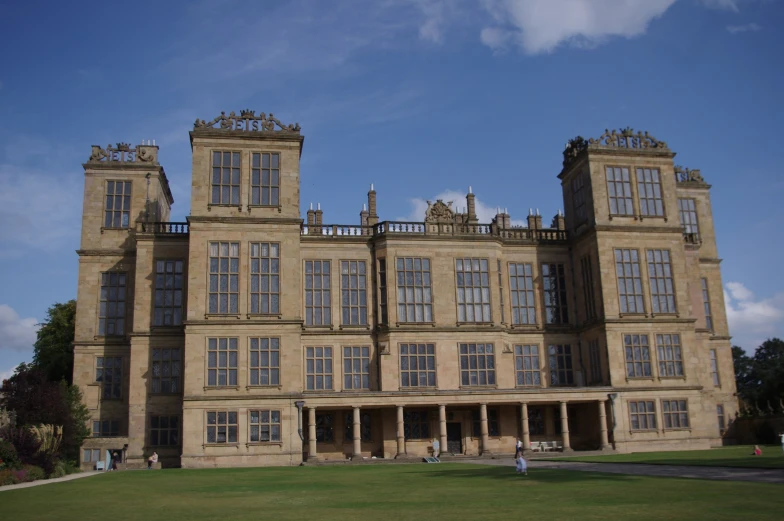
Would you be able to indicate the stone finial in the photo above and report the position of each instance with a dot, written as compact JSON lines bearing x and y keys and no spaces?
{"x":622,"y":138}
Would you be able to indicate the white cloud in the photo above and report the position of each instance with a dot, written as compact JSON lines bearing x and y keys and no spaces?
{"x":434,"y":12}
{"x":484,"y":212}
{"x":16,"y":333}
{"x":745,"y":28}
{"x":752,"y":320}
{"x":540,"y":26}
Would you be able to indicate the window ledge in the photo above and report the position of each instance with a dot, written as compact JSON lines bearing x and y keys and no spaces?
{"x":488,"y":323}
{"x":233,"y":444}
{"x":319,"y":326}
{"x":316,"y":391}
{"x":419,"y":388}
{"x":354,"y":326}
{"x":264,"y":315}
{"x":354,"y":391}
{"x":223,"y":315}
{"x":672,"y":378}
{"x":524,"y":326}
{"x":264,"y":443}
{"x":273,"y":206}
{"x":677,"y":429}
{"x":640,"y":379}
{"x":165,"y":394}
{"x":431,"y":323}
{"x":273,"y":386}
{"x":105,"y":228}
{"x":642,"y":431}
{"x":221,"y":205}
{"x":523,"y":387}
{"x":221,"y":387}
{"x":478,"y":387}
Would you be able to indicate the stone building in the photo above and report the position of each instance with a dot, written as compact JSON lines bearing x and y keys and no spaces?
{"x":249,"y":336}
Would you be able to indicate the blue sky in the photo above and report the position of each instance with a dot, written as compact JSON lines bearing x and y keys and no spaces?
{"x":421,"y":97}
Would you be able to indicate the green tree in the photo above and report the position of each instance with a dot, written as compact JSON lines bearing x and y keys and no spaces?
{"x":768,"y":374}
{"x":53,"y":350}
{"x":743,"y":364}
{"x":35,"y":400}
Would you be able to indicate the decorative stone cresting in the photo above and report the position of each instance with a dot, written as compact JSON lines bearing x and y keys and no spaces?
{"x":687,"y":175}
{"x":247,"y":121}
{"x":124,"y":153}
{"x":623,"y":138}
{"x":439,"y":212}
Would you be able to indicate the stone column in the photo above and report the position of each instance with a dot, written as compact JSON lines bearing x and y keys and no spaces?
{"x":442,"y":427}
{"x":565,"y":427}
{"x":357,"y":436}
{"x":483,"y":427}
{"x":524,"y":421}
{"x":312,"y":433}
{"x":603,"y":425}
{"x":401,"y":440}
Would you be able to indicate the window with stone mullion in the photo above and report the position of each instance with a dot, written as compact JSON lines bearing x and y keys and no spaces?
{"x":675,"y":414}
{"x":706,"y":304}
{"x":560,"y":361}
{"x":317,"y":293}
{"x":264,"y":363}
{"x":638,"y":356}
{"x":353,"y":293}
{"x":595,"y":361}
{"x":222,"y":427}
{"x":166,"y":368}
{"x":224,"y":277}
{"x":554,"y":289}
{"x":670,"y":356}
{"x":168,"y":293}
{"x":642,"y":415}
{"x":521,"y":287}
{"x":264,"y":278}
{"x":164,"y":431}
{"x":416,"y":425}
{"x":265,"y":426}
{"x":318,"y":368}
{"x":649,"y":190}
{"x":473,"y":290}
{"x":627,"y":270}
{"x":414,"y":298}
{"x":111,"y":307}
{"x":265,"y":179}
{"x":661,"y":282}
{"x":527,"y":369}
{"x":619,"y":189}
{"x":225,"y":178}
{"x":578,"y":197}
{"x":687,"y":210}
{"x":417,"y":365}
{"x":365,"y":424}
{"x":477,"y":364}
{"x":356,"y":367}
{"x":118,"y":204}
{"x":222,"y":362}
{"x":108,"y":373}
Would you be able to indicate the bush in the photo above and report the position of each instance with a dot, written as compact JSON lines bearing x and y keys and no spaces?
{"x":34,"y":473}
{"x":9,"y":459}
{"x":58,"y":471}
{"x":7,"y":477}
{"x":71,"y":467}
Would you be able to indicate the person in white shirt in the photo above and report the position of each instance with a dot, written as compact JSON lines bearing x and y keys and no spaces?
{"x":436,"y":448}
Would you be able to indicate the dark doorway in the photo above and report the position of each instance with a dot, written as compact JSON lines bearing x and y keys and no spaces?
{"x":454,"y":438}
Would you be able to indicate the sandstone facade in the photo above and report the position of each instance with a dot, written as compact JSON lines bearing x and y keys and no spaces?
{"x":249,"y":336}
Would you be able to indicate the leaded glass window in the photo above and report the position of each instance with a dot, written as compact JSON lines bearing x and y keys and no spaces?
{"x":627,"y":271}
{"x":477,"y":364}
{"x":168,"y":293}
{"x":317,"y":293}
{"x":417,"y":365}
{"x":670,"y":355}
{"x":638,"y":356}
{"x":521,"y":287}
{"x":353,"y":293}
{"x":264,"y":366}
{"x":166,"y":370}
{"x":265,"y":179}
{"x":649,"y":191}
{"x":527,"y":368}
{"x":473,"y":290}
{"x":642,"y":415}
{"x":554,"y":287}
{"x":560,"y":359}
{"x":111,"y":311}
{"x":222,"y":427}
{"x":414,"y":298}
{"x":356,"y":367}
{"x":660,"y":277}
{"x":619,"y":189}
{"x":264,"y":425}
{"x":108,"y":372}
{"x":224,"y":277}
{"x":118,"y":204}
{"x":225,"y":178}
{"x":264,"y":278}
{"x":318,"y":368}
{"x":222,"y":361}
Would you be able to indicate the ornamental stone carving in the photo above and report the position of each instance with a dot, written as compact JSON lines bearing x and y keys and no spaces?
{"x":246,"y":121}
{"x":124,"y":153}
{"x":687,"y":175}
{"x":439,"y":212}
{"x":623,"y":138}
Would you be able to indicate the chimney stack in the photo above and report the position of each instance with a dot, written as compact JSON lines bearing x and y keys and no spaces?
{"x":471,"y":201}
{"x":372,"y":219}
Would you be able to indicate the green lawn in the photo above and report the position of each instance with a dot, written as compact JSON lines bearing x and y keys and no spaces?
{"x":393,"y":492}
{"x":737,"y":456}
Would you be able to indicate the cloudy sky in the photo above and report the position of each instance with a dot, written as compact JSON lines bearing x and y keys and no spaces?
{"x":421,"y":97}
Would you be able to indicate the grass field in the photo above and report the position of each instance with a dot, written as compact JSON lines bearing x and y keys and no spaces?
{"x":737,"y":456}
{"x":388,"y":492}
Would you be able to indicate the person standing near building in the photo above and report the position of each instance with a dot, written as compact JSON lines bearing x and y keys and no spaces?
{"x":522,"y":465}
{"x":152,"y":460}
{"x":436,"y":448}
{"x":519,"y":445}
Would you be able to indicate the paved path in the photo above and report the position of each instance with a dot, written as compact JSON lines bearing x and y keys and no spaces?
{"x":69,"y":477}
{"x":665,"y":471}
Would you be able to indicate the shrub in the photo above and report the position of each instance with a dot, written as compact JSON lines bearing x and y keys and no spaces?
{"x":8,"y":457}
{"x":58,"y":471}
{"x":71,"y":467}
{"x":34,"y":473}
{"x":7,"y":477}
